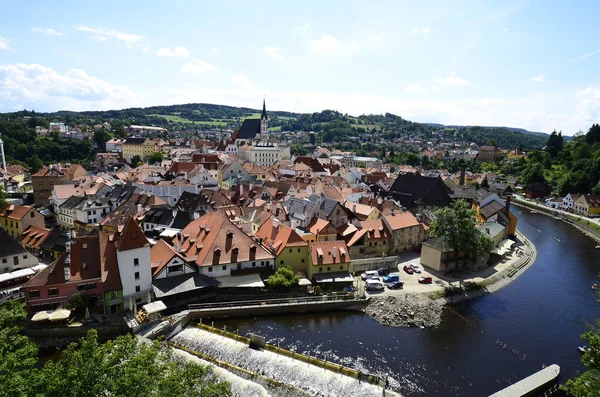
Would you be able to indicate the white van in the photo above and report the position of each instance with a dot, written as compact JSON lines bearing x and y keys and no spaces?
{"x":370,"y":274}
{"x":373,"y":285}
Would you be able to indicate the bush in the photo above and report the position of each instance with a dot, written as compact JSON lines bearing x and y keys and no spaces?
{"x":76,"y":301}
{"x":283,"y":278}
{"x":318,"y":290}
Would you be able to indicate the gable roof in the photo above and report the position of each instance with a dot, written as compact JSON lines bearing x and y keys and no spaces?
{"x":111,"y":278}
{"x":8,"y":245}
{"x":213,"y":239}
{"x":277,"y":238}
{"x":249,"y":129}
{"x":34,"y":236}
{"x":161,"y":254}
{"x":16,"y":212}
{"x":400,"y":220}
{"x":423,"y":189}
{"x":329,"y":253}
{"x":132,"y":236}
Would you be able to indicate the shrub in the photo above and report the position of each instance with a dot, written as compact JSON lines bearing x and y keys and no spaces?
{"x":283,"y":278}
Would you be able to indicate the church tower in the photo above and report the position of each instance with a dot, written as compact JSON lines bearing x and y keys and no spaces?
{"x":264,"y":123}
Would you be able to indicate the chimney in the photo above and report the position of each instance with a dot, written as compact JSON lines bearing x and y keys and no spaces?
{"x":293,"y":224}
{"x":241,"y":189}
{"x":461,"y":181}
{"x":334,"y":253}
{"x":507,"y":207}
{"x":139,"y":210}
{"x":276,"y":223}
{"x":379,"y":201}
{"x":251,"y":185}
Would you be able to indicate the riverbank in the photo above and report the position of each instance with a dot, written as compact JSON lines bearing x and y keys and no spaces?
{"x":424,"y":309}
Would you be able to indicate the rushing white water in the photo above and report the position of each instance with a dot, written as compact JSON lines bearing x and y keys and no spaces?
{"x":314,"y":380}
{"x":240,"y":387}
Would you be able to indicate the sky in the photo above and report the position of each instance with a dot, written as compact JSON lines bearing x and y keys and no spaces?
{"x":527,"y":64}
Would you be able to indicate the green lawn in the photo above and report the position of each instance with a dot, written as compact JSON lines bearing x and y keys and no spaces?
{"x":183,"y":120}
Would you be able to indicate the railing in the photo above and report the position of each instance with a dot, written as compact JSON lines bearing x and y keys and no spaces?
{"x":276,"y":302}
{"x":12,"y":297}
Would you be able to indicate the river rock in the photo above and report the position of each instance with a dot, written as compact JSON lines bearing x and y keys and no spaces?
{"x":410,"y":311}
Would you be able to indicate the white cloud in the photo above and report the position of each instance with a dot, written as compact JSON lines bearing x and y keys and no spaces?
{"x":49,"y":32}
{"x":197,"y":67}
{"x":452,"y":80}
{"x":328,"y":44}
{"x":177,"y":52}
{"x":416,"y":32}
{"x":417,"y":89}
{"x":146,"y":47}
{"x":99,"y":38}
{"x":128,"y":39}
{"x":539,"y":79}
{"x":273,"y":52}
{"x":244,"y":82}
{"x":215,"y":49}
{"x":43,"y":88}
{"x":302,"y":29}
{"x":505,"y":29}
{"x":4,"y":44}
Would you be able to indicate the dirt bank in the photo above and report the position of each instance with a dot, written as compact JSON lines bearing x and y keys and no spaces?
{"x":411,"y":310}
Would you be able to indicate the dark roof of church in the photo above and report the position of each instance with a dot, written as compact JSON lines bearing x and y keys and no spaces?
{"x":426,"y":190}
{"x":249,"y":129}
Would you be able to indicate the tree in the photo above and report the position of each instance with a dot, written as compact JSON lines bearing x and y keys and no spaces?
{"x":323,"y":156}
{"x":555,"y":144}
{"x":588,"y":383}
{"x":283,"y":278}
{"x":491,"y":142}
{"x":100,"y":139}
{"x":534,"y":172}
{"x":456,"y":224}
{"x":593,"y":134}
{"x":155,"y":157}
{"x":122,"y":367}
{"x":135,"y":160}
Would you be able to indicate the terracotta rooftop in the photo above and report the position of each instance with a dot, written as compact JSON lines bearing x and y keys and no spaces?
{"x":132,"y":237}
{"x":17,"y":212}
{"x":401,"y":220}
{"x":160,"y":254}
{"x":34,"y":236}
{"x":329,"y":253}
{"x":277,"y":238}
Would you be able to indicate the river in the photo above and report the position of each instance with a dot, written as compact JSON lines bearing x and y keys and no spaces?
{"x":539,"y":317}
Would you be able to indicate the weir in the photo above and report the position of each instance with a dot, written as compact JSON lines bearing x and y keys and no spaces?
{"x":279,"y":366}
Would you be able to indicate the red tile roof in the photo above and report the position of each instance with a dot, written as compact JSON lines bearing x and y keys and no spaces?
{"x":132,"y":237}
{"x":17,"y":212}
{"x":329,"y":253}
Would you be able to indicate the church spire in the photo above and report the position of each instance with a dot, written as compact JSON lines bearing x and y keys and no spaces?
{"x":264,"y":112}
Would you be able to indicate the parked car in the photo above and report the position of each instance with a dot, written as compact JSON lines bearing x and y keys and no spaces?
{"x":383,"y":271}
{"x":425,"y":280}
{"x":370,"y":274}
{"x":416,"y":268}
{"x":391,"y":278}
{"x":374,"y":285}
{"x":408,"y":269}
{"x":395,"y":285}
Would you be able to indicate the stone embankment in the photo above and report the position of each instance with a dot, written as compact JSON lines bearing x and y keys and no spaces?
{"x":411,"y":310}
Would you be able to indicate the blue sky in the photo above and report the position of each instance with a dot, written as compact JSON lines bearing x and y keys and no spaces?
{"x":529,"y":64}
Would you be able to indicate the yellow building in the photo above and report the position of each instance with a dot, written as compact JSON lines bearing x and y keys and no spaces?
{"x":16,"y":218}
{"x":283,"y":242}
{"x":587,"y":205}
{"x":364,"y":212}
{"x":142,"y":147}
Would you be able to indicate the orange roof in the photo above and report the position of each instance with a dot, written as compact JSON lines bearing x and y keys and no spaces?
{"x":360,"y":209}
{"x":213,"y":239}
{"x":373,"y":230}
{"x":316,"y":225}
{"x":34,"y":236}
{"x":329,"y":253}
{"x":132,"y":237}
{"x":17,"y":212}
{"x":276,"y":239}
{"x":160,"y":254}
{"x":401,"y":220}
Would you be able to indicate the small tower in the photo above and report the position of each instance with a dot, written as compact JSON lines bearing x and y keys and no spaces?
{"x":264,"y":123}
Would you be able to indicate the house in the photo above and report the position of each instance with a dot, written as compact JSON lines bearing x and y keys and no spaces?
{"x":17,"y":173}
{"x":66,"y":212}
{"x":55,"y":174}
{"x":232,"y":170}
{"x":12,"y":255}
{"x":418,"y":192}
{"x":363,"y":212}
{"x":220,"y":248}
{"x":322,"y":230}
{"x":501,"y":189}
{"x":496,"y":231}
{"x":142,"y":147}
{"x":78,"y":271}
{"x":437,"y":254}
{"x":493,"y":208}
{"x":115,"y":145}
{"x":32,"y":239}
{"x":537,"y":190}
{"x":135,"y":207}
{"x":14,"y":219}
{"x":373,"y":239}
{"x":330,"y":262}
{"x":489,"y":154}
{"x":283,"y":242}
{"x":54,"y":245}
{"x":301,"y":211}
{"x":569,"y":201}
{"x":587,"y":205}
{"x":330,"y":210}
{"x":516,"y":154}
{"x":407,"y":232}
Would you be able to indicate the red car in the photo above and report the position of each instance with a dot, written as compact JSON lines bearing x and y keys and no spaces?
{"x":409,"y":269}
{"x":425,"y":280}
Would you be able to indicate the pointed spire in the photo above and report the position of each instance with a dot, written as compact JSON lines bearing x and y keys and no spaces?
{"x":264,"y":112}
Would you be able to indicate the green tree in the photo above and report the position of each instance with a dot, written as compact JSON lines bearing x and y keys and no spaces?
{"x":555,"y":144}
{"x":155,"y":157}
{"x":135,"y":160}
{"x":593,"y":134}
{"x":101,"y":136}
{"x":34,"y":163}
{"x":456,"y":223}
{"x":283,"y":278}
{"x":491,"y":142}
{"x":588,"y":383}
{"x":534,"y":172}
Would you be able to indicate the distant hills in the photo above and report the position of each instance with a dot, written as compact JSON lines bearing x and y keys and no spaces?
{"x":519,"y":130}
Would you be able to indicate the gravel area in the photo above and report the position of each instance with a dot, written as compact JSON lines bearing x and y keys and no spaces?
{"x":405,"y":311}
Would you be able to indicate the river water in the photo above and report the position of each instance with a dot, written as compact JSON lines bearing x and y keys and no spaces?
{"x":539,"y":317}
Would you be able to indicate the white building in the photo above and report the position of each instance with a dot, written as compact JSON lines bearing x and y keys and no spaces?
{"x":569,"y":201}
{"x":355,"y":161}
{"x":264,"y":153}
{"x":135,"y":269}
{"x":92,"y":210}
{"x":114,"y":145}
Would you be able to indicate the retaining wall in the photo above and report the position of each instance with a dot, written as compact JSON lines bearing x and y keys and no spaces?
{"x":362,"y":265}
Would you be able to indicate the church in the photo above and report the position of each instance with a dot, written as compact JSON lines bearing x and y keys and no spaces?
{"x":253,"y":143}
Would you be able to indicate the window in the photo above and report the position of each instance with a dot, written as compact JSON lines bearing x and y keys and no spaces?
{"x":383,"y":242}
{"x":253,"y":264}
{"x":136,"y":262}
{"x":138,"y":288}
{"x":342,"y":267}
{"x":137,"y":275}
{"x":370,"y":244}
{"x":320,"y":269}
{"x":290,"y":250}
{"x":262,"y":263}
{"x":24,"y":256}
{"x":53,"y":292}
{"x":302,"y":261}
{"x":375,"y":243}
{"x":328,"y":268}
{"x":4,"y":260}
{"x":113,"y":294}
{"x":32,"y":214}
{"x":81,"y":287}
{"x":34,"y":294}
{"x":210,"y":269}
{"x":224,"y":267}
{"x":281,"y":262}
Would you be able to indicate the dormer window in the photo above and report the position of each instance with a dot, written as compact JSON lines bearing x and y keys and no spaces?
{"x":229,"y":235}
{"x":235,"y":251}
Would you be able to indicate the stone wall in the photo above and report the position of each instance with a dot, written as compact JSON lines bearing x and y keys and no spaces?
{"x":362,"y":265}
